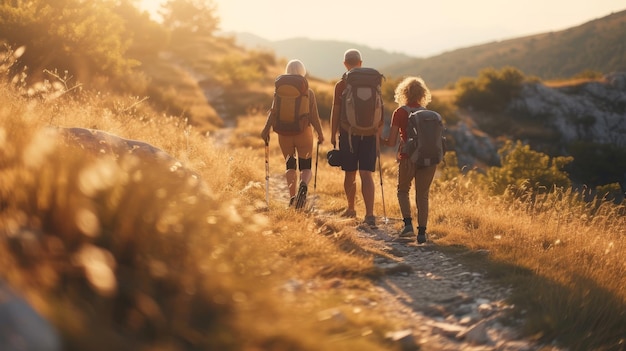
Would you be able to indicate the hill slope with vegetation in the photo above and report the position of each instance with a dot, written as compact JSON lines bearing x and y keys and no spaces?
{"x":126,"y":251}
{"x":178,"y":67}
{"x":177,"y":249}
{"x":582,"y":118}
{"x":597,"y":45}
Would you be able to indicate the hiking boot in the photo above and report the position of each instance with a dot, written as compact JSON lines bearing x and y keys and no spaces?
{"x":301,"y":196}
{"x":407,"y":231}
{"x":370,"y":221}
{"x":406,"y":234}
{"x":421,"y":235}
{"x":348,"y":213}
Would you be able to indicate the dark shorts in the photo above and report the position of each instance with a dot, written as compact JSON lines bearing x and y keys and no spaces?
{"x":364,"y":152}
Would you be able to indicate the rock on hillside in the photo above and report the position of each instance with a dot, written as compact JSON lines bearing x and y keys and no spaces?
{"x":591,"y":111}
{"x":472,"y":145}
{"x":21,"y":327}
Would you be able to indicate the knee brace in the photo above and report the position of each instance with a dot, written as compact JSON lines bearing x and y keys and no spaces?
{"x":304,"y":163}
{"x":290,"y":162}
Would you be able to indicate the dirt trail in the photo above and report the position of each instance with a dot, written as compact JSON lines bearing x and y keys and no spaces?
{"x":444,"y":304}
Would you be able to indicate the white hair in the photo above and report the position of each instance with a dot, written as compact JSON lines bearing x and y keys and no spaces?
{"x":295,"y":67}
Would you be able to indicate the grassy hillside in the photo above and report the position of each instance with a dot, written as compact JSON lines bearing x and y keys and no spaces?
{"x":122,"y":253}
{"x":597,"y":45}
{"x":141,"y":254}
{"x":182,"y":252}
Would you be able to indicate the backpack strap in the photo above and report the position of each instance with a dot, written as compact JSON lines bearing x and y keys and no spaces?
{"x":344,"y":78}
{"x":410,"y":110}
{"x":411,"y":122}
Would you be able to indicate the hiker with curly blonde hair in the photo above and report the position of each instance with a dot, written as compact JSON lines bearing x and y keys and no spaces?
{"x":410,"y":94}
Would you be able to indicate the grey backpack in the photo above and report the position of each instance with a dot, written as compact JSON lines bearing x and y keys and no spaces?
{"x":362,"y":108}
{"x":426,"y":143}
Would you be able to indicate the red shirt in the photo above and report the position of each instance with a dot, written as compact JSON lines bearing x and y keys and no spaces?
{"x":400,"y":118}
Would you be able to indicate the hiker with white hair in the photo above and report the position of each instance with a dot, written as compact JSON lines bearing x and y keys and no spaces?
{"x":293,"y":116}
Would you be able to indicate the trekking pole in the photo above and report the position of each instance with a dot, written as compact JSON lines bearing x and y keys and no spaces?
{"x":317,"y":156}
{"x":267,"y":173}
{"x":382,"y":190}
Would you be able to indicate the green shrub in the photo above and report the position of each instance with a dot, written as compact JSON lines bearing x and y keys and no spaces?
{"x":491,"y":91}
{"x":67,"y":35}
{"x":523,"y":170}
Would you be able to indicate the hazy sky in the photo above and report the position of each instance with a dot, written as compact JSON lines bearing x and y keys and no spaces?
{"x":416,"y":27}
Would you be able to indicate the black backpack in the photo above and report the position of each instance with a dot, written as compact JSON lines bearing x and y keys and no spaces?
{"x":291,"y":104}
{"x":426,"y":143}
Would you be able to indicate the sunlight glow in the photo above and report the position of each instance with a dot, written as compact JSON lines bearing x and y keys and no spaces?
{"x":98,"y":265}
{"x":101,"y":175}
{"x":43,"y":144}
{"x":87,"y":222}
{"x":443,"y":25}
{"x":152,"y":7}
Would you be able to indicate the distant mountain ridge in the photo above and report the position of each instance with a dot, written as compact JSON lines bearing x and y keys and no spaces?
{"x":322,"y":58}
{"x":597,"y":45}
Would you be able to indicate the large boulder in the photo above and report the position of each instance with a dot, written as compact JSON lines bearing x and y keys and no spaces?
{"x":21,"y":327}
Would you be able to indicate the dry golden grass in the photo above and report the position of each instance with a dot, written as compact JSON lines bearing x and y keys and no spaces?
{"x":570,"y":82}
{"x":148,"y":258}
{"x":183,"y":266}
{"x":564,"y":257}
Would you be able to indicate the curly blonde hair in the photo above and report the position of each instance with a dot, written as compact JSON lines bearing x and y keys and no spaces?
{"x":412,"y":90}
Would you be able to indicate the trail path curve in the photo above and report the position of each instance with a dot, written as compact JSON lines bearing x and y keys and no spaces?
{"x":444,"y":304}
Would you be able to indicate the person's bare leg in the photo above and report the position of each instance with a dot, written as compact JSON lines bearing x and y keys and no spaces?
{"x":368,"y":191}
{"x":305,"y":176}
{"x":292,"y":177}
{"x":349,"y":186}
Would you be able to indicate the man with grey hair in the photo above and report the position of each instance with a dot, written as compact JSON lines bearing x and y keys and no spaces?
{"x":358,"y":150}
